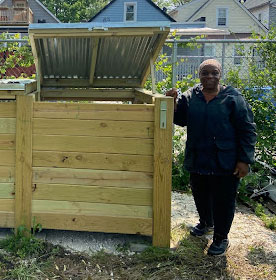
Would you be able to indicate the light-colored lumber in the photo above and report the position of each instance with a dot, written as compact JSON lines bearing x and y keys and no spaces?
{"x":95,"y":45}
{"x":94,"y":111}
{"x":152,"y":73}
{"x":5,"y":96}
{"x":23,"y":180}
{"x":90,"y":160}
{"x":30,"y":87}
{"x":7,"y":125}
{"x":7,"y":174}
{"x":91,"y":128}
{"x":92,"y":194}
{"x":92,"y":177}
{"x":7,"y":110}
{"x":128,"y":225}
{"x":7,"y":157}
{"x":7,"y":205}
{"x":93,"y":209}
{"x":162,"y":175}
{"x":6,"y":219}
{"x":146,"y":95}
{"x":114,"y":145}
{"x":6,"y":190}
{"x":7,"y":141}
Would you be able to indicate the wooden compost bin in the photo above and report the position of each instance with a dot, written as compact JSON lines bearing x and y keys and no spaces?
{"x":89,"y":166}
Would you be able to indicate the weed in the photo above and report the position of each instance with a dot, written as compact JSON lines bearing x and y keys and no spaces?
{"x":269,"y":221}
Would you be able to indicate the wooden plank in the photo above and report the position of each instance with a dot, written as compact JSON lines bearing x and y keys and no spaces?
{"x":127,"y":225}
{"x":7,"y":141}
{"x":95,"y":45}
{"x":146,"y":95}
{"x":91,"y":128}
{"x":30,"y":87}
{"x":23,"y":180}
{"x":7,"y":174}
{"x":7,"y":125}
{"x":93,"y":209}
{"x":7,"y":110}
{"x":162,"y":175}
{"x":7,"y":205}
{"x":6,"y":190}
{"x":6,"y":96}
{"x":6,"y":219}
{"x":79,"y":193}
{"x":94,"y":111}
{"x":113,"y":145}
{"x":92,"y":177}
{"x":152,"y":73}
{"x":91,"y":161}
{"x":7,"y":157}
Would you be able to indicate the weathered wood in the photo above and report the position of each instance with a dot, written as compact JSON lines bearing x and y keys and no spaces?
{"x":7,"y":157}
{"x":162,"y":175}
{"x":114,"y":145}
{"x":7,"y":141}
{"x":92,"y":177}
{"x":89,"y":128}
{"x":94,"y":111}
{"x":152,"y":73}
{"x":6,"y":190}
{"x":79,"y":193}
{"x":89,"y":160}
{"x":31,"y":87}
{"x":6,"y":219}
{"x":146,"y":95}
{"x":23,"y":180}
{"x":95,"y":45}
{"x":7,"y":125}
{"x":128,"y":225}
{"x":7,"y":205}
{"x":7,"y":110}
{"x":93,"y":209}
{"x":7,"y":174}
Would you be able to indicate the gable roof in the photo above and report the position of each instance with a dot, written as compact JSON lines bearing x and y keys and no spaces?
{"x":39,"y":3}
{"x":249,"y":4}
{"x":149,"y":1}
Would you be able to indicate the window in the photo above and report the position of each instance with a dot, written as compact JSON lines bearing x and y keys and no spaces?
{"x":20,"y":4}
{"x":222,"y":16}
{"x":130,"y":13}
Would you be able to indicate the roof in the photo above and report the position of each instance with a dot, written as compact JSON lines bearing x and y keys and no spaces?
{"x":38,"y":2}
{"x":249,"y":4}
{"x":199,"y":31}
{"x":149,"y":1}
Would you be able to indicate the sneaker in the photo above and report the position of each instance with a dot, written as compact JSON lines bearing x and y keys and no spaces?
{"x":200,"y":230}
{"x":218,"y":247}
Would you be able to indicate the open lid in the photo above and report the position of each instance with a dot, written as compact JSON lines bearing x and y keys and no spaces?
{"x":96,"y":54}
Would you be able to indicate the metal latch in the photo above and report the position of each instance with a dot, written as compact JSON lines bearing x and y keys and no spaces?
{"x":163,"y":114}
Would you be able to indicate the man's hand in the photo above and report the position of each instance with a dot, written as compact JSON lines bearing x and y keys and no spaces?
{"x":241,"y":169}
{"x":173,"y":93}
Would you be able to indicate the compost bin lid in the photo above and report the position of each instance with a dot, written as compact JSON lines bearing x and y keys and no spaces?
{"x":96,"y":54}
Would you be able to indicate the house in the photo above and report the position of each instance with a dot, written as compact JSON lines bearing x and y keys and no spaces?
{"x":228,"y":15}
{"x":131,"y":11}
{"x":263,"y":10}
{"x":16,"y":15}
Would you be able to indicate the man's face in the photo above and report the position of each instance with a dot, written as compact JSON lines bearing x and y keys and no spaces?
{"x":209,"y":77}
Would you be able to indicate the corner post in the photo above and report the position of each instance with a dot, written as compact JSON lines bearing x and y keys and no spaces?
{"x":162,"y":171}
{"x":23,"y":169}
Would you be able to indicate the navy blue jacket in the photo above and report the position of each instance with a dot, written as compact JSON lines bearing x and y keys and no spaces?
{"x":219,"y":133}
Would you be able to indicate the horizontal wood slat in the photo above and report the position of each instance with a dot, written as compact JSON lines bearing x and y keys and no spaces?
{"x":7,"y":110}
{"x":92,"y":177}
{"x":7,"y":157}
{"x":7,"y":141}
{"x":113,"y":145}
{"x":7,"y":174}
{"x":7,"y":125}
{"x":6,"y":219}
{"x":7,"y":205}
{"x":94,"y":194}
{"x":94,"y":111}
{"x":95,"y":223}
{"x":91,"y":128}
{"x":6,"y":190}
{"x":85,"y":208}
{"x":90,"y":160}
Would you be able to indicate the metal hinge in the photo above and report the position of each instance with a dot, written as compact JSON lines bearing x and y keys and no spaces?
{"x":163,"y":114}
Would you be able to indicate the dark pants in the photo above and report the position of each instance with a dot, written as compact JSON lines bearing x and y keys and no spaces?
{"x":215,"y":198}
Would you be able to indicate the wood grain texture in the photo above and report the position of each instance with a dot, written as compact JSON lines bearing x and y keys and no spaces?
{"x":6,"y":219}
{"x":128,"y":225}
{"x":6,"y":190}
{"x":7,"y":205}
{"x":92,"y":194}
{"x":23,"y":180}
{"x":92,"y":177}
{"x":7,"y":157}
{"x":7,"y":125}
{"x":112,"y":145}
{"x":7,"y":174}
{"x":7,"y":141}
{"x":90,"y":161}
{"x":162,"y":175}
{"x":7,"y":110}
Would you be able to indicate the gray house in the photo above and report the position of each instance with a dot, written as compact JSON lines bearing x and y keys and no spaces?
{"x":131,"y":11}
{"x":263,"y":10}
{"x":16,"y":15}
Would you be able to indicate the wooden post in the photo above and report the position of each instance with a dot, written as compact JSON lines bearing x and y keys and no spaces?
{"x":162,"y":171}
{"x":23,"y":176}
